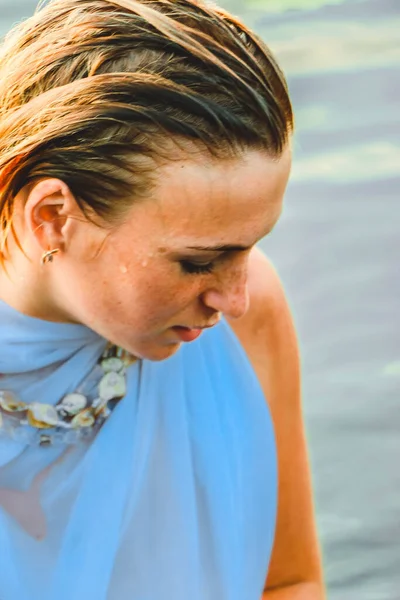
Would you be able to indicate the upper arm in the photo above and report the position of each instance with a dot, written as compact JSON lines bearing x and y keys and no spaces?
{"x":268,"y":336}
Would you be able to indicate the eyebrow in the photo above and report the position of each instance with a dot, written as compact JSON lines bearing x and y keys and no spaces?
{"x":226,"y":248}
{"x":229,"y":247}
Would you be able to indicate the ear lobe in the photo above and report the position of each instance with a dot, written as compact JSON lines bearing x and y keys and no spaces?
{"x":47,"y":207}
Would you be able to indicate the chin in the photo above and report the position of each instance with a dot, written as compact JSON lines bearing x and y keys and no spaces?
{"x":155,"y":352}
{"x":161,"y":354}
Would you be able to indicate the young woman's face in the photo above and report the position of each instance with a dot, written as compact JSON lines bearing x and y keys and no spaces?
{"x":179,"y":260}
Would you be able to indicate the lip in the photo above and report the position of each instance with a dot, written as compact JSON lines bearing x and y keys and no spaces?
{"x":189,"y":334}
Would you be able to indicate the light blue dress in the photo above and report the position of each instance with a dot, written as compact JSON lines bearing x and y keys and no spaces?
{"x":176,"y":497}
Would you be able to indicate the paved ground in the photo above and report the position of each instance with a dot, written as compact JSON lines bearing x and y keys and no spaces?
{"x":337,"y":250}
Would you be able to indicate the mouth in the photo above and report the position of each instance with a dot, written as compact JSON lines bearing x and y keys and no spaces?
{"x":189,"y":334}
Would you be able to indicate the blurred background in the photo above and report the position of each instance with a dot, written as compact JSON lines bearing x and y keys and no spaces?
{"x":337,"y":249}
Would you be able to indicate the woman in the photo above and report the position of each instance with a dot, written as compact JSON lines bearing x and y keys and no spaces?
{"x":144,"y":150}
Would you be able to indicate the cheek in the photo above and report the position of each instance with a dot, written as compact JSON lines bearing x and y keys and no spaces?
{"x":147,"y":296}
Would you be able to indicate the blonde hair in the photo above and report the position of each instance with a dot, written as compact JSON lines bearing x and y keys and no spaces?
{"x":93,"y":90}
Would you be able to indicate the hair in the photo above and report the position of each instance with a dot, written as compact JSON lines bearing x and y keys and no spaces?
{"x":94,"y":91}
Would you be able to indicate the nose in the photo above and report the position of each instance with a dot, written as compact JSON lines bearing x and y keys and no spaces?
{"x":229,"y":296}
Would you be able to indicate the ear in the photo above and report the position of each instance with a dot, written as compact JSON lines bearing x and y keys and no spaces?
{"x":49,"y":205}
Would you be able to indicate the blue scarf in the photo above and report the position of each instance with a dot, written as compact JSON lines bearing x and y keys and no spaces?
{"x":176,"y":497}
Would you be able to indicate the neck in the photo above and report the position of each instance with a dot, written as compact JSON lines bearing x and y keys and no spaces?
{"x":26,"y":290}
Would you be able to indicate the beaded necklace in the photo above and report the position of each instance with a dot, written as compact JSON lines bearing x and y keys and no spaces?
{"x":75,"y":418}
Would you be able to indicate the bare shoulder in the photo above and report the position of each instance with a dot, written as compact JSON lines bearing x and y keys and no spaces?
{"x":268,"y":336}
{"x":267,"y":299}
{"x":266,"y":331}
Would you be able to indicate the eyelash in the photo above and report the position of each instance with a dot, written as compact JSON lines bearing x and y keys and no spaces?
{"x":196,"y":269}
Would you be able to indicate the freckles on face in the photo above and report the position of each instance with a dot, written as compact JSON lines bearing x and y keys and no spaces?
{"x":137,"y":289}
{"x":142,"y":290}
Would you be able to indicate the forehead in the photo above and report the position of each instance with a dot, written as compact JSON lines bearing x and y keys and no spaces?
{"x":206,"y":198}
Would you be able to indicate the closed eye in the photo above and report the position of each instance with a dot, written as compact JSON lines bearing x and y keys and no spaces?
{"x":193,"y":268}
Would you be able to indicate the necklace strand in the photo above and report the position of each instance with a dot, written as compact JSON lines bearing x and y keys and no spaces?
{"x":75,"y":418}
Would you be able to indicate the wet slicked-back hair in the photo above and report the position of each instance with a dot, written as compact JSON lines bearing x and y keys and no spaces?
{"x":94,"y":91}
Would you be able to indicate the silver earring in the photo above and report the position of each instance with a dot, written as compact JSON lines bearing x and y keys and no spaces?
{"x":48,"y":256}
